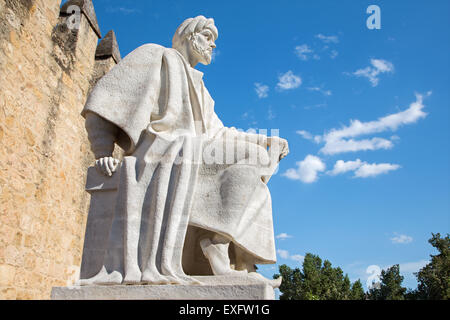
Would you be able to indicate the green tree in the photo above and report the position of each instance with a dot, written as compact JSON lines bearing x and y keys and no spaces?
{"x":317,"y":281}
{"x":357,"y":291}
{"x":434,"y":278}
{"x":291,"y":284}
{"x":311,"y":281}
{"x":390,"y":286}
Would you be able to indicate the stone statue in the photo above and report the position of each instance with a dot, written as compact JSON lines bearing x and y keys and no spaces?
{"x":190,"y":195}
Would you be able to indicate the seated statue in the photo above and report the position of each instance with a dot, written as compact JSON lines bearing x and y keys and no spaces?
{"x":192,"y":196}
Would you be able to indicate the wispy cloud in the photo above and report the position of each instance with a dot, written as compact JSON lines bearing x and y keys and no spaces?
{"x":271,"y":114}
{"x":345,"y":166}
{"x":372,"y":72}
{"x":288,"y":81}
{"x":304,"y":52}
{"x":123,"y":10}
{"x":261,"y":90}
{"x":333,"y":54}
{"x":411,"y":267}
{"x":327,"y":39}
{"x":283,"y":236}
{"x":321,"y":90}
{"x":362,"y":169}
{"x":249,"y":117}
{"x":284,"y":254}
{"x":351,"y":145}
{"x":297,"y":257}
{"x":401,"y":239}
{"x":342,"y":140}
{"x":307,"y":170}
{"x":214,"y":55}
{"x":374,"y":169}
{"x":315,"y":106}
{"x":306,"y":135}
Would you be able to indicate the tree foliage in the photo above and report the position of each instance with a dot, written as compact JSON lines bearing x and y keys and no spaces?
{"x":390,"y":287}
{"x":321,"y":281}
{"x":317,"y":281}
{"x":434,"y":278}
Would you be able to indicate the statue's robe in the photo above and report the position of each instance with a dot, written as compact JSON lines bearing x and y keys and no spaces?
{"x":164,"y":111}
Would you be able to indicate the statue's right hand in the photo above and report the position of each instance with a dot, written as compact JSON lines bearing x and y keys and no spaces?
{"x":279,"y":145}
{"x":107,"y":165}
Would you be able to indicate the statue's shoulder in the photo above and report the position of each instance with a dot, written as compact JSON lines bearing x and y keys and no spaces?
{"x":150,"y":49}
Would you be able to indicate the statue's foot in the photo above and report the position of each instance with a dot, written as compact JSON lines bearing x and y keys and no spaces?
{"x":132,"y":276}
{"x":274,"y":283}
{"x":233,"y":272}
{"x":179,"y":278}
{"x":102,"y":278}
{"x":154,"y":277}
{"x":217,"y":255}
{"x":187,"y":280}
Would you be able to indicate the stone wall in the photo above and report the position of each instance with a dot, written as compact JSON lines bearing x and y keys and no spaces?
{"x":46,"y":72}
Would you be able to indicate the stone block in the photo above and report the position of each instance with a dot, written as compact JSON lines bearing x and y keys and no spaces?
{"x":7,"y":274}
{"x":212,"y":288}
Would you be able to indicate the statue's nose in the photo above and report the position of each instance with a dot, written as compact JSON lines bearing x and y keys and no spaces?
{"x":213,"y":45}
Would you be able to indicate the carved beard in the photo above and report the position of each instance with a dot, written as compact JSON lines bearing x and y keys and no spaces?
{"x":204,"y":53}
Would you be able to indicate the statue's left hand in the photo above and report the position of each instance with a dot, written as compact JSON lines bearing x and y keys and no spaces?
{"x":107,"y":165}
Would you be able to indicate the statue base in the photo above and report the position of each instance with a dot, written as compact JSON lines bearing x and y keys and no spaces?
{"x":212,"y":288}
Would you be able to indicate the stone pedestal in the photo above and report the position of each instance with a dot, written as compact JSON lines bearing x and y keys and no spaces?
{"x":212,"y":288}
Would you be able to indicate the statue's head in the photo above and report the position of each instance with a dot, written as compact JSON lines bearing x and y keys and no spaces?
{"x":195,"y":38}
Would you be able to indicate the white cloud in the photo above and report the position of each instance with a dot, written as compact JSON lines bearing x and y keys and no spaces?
{"x":308,"y":136}
{"x":297,"y":257}
{"x":375,"y":169}
{"x":305,"y":134}
{"x":307,"y":170}
{"x":327,"y":39}
{"x":340,"y":146}
{"x":401,"y":239}
{"x":283,"y":236}
{"x":340,"y":140}
{"x":289,"y":81}
{"x":362,"y":169}
{"x":344,"y":166}
{"x":261,"y":90}
{"x":285,"y":255}
{"x":372,"y":72}
{"x":411,"y":267}
{"x":303,"y":51}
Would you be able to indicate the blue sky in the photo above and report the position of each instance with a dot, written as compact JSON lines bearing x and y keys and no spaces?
{"x":366,"y":114}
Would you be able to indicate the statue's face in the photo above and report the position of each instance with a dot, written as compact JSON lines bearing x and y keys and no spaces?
{"x":203,"y":45}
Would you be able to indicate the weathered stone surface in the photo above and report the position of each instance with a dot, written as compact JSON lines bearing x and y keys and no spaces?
{"x":88,"y":10}
{"x":44,"y":152}
{"x":213,"y":288}
{"x":108,"y":47}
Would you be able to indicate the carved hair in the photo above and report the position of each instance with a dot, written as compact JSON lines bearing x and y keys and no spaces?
{"x":191,"y":26}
